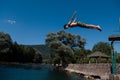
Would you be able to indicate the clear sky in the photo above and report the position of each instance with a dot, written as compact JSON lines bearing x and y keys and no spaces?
{"x":28,"y":21}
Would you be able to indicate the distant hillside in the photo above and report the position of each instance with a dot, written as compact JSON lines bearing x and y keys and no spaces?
{"x":43,"y":49}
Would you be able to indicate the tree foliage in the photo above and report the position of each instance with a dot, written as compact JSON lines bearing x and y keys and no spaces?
{"x":65,"y":38}
{"x":5,"y":42}
{"x":62,"y":45}
{"x":103,"y":47}
{"x":12,"y":52}
{"x":81,"y":55}
{"x":118,"y":57}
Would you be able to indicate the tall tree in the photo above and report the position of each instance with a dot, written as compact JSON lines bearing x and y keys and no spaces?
{"x":5,"y":42}
{"x":5,"y":46}
{"x":12,"y":52}
{"x":62,"y":45}
{"x":67,"y":39}
{"x":103,"y":47}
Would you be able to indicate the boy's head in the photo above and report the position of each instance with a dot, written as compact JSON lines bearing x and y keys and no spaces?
{"x":66,"y":26}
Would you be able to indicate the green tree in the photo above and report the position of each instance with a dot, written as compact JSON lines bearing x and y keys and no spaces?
{"x":62,"y":45}
{"x":25,"y":54}
{"x":81,"y":55}
{"x":71,"y":40}
{"x":65,"y":38}
{"x":5,"y":46}
{"x":13,"y":52}
{"x":103,"y":47}
{"x":37,"y":57}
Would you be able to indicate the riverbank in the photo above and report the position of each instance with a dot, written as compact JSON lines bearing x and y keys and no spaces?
{"x":100,"y":71}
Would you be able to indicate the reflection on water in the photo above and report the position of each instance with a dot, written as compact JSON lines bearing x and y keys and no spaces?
{"x":33,"y":72}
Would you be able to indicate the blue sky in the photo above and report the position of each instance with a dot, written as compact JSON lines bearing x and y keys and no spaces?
{"x":28,"y":21}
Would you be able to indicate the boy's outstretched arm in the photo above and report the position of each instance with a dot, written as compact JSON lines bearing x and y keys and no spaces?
{"x":72,"y":18}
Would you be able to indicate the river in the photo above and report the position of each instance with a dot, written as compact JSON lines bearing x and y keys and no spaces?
{"x":34,"y":72}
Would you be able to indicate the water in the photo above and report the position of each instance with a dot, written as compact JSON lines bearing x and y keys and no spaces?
{"x":33,"y":72}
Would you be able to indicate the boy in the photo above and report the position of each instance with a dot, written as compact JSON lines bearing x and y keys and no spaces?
{"x":72,"y":23}
{"x":83,"y":25}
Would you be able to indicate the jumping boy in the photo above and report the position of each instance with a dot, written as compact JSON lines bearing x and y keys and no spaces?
{"x":72,"y":23}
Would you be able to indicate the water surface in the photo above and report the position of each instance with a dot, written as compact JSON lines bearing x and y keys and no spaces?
{"x":33,"y":72}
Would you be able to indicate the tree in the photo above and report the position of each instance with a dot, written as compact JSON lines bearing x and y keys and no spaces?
{"x":71,"y":40}
{"x":81,"y":55}
{"x":5,"y":46}
{"x":62,"y":45}
{"x":67,"y":39}
{"x":25,"y":54}
{"x":103,"y":47}
{"x":5,"y":42}
{"x":37,"y":57}
{"x":13,"y":52}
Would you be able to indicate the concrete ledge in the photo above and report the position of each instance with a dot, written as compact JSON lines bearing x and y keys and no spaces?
{"x":101,"y":70}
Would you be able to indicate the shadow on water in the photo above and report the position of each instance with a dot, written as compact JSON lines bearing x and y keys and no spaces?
{"x":33,"y":72}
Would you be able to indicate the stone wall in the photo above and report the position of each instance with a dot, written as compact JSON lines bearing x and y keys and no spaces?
{"x":103,"y":70}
